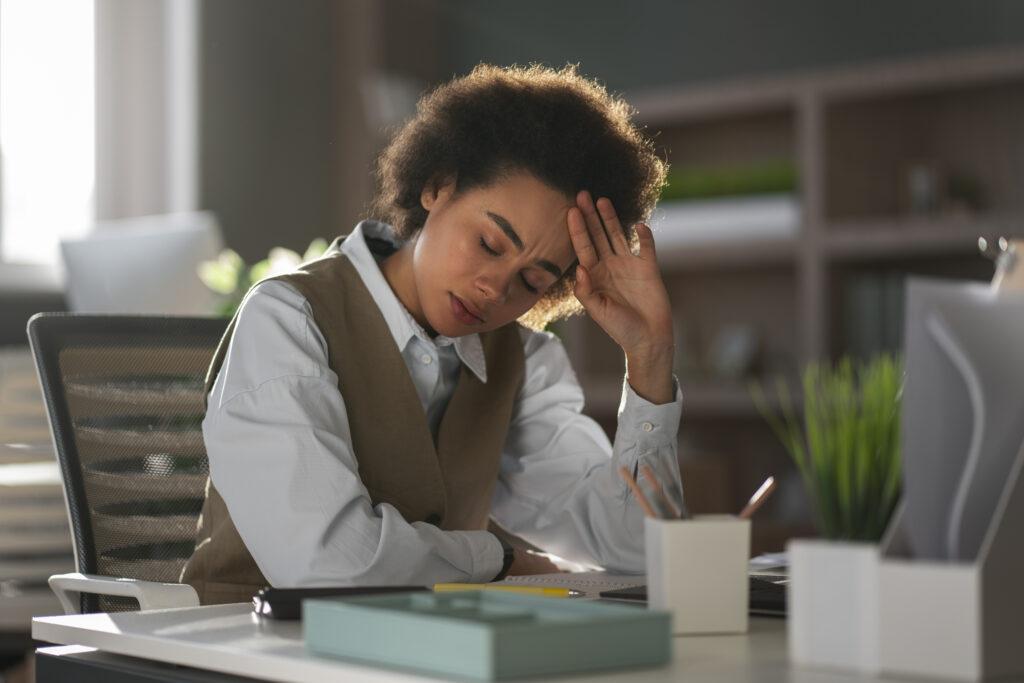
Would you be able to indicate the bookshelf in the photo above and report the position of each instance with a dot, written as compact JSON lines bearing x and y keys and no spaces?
{"x":901,"y":166}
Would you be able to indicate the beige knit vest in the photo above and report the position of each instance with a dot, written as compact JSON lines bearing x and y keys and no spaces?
{"x":449,"y":484}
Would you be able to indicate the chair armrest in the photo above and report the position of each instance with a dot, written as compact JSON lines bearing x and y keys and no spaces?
{"x":150,"y":594}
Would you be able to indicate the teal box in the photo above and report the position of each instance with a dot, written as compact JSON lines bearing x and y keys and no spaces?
{"x":486,"y":635}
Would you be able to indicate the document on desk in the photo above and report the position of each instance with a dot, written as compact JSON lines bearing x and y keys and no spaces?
{"x":591,"y":584}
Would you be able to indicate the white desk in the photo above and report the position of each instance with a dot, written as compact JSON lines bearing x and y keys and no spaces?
{"x":231,"y":640}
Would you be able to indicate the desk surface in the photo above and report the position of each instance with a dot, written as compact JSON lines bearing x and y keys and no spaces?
{"x":230,"y":639}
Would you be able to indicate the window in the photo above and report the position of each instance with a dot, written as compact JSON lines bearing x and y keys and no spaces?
{"x":47,"y":131}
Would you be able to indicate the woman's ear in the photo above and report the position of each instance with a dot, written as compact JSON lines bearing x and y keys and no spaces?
{"x":436,"y":190}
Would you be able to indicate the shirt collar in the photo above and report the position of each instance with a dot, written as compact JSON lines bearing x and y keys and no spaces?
{"x":403,"y":326}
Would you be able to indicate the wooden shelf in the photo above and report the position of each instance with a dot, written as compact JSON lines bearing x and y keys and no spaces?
{"x":697,"y":103}
{"x":729,"y":254}
{"x":911,"y":237}
{"x":727,"y":399}
{"x":770,"y":536}
{"x":701,"y":398}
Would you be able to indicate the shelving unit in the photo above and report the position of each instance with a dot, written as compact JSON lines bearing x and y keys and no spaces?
{"x":901,"y":167}
{"x":914,"y":237}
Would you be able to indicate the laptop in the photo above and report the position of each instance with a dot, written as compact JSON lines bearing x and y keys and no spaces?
{"x":767,"y":594}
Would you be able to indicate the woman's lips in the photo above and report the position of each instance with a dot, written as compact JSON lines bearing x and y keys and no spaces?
{"x":462,"y":313}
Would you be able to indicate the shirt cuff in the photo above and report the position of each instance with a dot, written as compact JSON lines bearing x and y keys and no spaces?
{"x":645,"y":423}
{"x":488,"y":555}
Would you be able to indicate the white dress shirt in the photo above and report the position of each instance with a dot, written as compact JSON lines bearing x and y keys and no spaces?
{"x":280,"y":451}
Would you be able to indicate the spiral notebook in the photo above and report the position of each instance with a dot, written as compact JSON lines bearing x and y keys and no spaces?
{"x":592,"y":584}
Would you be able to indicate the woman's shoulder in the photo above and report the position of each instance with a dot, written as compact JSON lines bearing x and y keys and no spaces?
{"x":542,"y":346}
{"x":273,"y":293}
{"x":534,"y":339}
{"x":548,"y":373}
{"x":272,"y":304}
{"x":275,"y":334}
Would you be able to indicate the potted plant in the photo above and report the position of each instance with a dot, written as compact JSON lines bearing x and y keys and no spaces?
{"x":229,"y":276}
{"x":846,"y":449}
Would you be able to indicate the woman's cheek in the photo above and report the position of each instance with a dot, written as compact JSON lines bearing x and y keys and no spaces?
{"x":472,"y":261}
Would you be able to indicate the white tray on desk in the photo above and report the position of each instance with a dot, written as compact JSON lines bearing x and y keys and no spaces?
{"x":225,"y":638}
{"x":230,"y":639}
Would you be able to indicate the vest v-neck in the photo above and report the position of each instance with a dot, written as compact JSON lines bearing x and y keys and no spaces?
{"x":371,"y":241}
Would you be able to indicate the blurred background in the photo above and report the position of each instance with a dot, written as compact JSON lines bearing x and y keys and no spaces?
{"x":820,"y":152}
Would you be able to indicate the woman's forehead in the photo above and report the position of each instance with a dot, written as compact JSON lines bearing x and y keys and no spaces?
{"x":533,"y":212}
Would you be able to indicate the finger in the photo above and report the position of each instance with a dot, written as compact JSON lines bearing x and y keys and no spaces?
{"x":584,"y":289}
{"x":612,"y":226}
{"x":581,"y":242}
{"x":591,"y":298}
{"x":594,"y":225}
{"x":645,"y":236}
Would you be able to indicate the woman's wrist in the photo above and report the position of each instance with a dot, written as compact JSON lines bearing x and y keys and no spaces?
{"x":508,"y":557}
{"x":649,"y":372}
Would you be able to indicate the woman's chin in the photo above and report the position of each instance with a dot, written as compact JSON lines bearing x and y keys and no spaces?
{"x":446,"y":324}
{"x":437,"y":325}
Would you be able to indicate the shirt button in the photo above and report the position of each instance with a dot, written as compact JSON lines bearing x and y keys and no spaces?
{"x":426,"y":359}
{"x":647,"y":426}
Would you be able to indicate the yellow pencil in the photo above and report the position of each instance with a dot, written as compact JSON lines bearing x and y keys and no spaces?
{"x":637,"y":493}
{"x":525,"y":590}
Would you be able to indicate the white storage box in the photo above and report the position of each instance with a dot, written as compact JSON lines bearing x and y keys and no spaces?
{"x":832,"y":604}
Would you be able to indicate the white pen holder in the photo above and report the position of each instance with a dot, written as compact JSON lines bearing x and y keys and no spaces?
{"x":697,"y":570}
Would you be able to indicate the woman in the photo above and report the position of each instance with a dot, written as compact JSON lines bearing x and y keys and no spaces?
{"x":369,"y":413}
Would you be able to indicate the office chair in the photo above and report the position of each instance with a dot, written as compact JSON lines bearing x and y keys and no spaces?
{"x":124,"y":395}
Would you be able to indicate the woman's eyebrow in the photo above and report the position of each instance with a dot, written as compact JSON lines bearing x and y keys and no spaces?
{"x":510,"y":232}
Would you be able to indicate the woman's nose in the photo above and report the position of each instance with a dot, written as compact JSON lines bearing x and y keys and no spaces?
{"x":494,"y":284}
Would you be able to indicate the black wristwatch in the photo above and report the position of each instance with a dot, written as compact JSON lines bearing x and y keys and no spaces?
{"x":510,"y":555}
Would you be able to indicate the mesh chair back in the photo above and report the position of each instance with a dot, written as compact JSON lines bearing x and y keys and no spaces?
{"x":125,"y":400}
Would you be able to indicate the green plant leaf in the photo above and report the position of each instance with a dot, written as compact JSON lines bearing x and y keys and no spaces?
{"x":847,"y":449}
{"x":259,"y":270}
{"x":221,"y":274}
{"x":315,"y":249}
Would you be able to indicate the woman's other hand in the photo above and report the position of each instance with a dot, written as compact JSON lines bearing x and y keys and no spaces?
{"x":525,"y":562}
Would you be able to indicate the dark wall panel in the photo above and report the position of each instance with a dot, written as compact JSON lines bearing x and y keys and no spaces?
{"x":649,"y":43}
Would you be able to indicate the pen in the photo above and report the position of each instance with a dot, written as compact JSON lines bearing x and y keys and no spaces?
{"x":637,"y":493}
{"x":524,"y":590}
{"x":649,"y":474}
{"x":759,"y":497}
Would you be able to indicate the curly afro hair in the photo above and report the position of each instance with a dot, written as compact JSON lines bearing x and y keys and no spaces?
{"x":557,"y":125}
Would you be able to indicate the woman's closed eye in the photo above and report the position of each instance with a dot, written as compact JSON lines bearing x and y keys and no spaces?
{"x":488,"y":249}
{"x":494,"y":252}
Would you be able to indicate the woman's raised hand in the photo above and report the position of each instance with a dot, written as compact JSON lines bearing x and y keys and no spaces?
{"x":624,"y":293}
